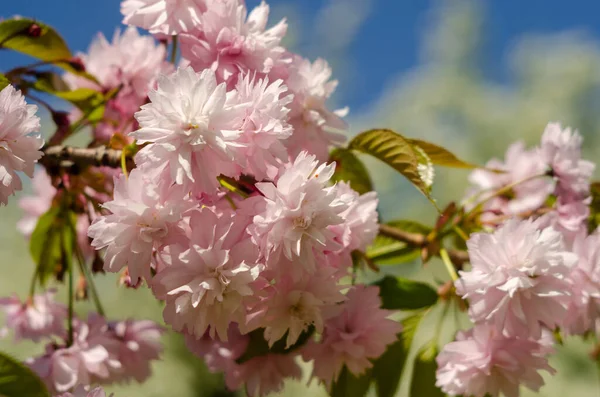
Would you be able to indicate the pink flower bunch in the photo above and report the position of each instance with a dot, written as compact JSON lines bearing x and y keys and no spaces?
{"x":484,"y":362}
{"x":19,"y":141}
{"x":518,"y":287}
{"x":38,"y":317}
{"x":100,"y":352}
{"x":131,"y":64}
{"x":532,"y":177}
{"x":272,"y":263}
{"x":518,"y":279}
{"x":261,"y":374}
{"x":360,"y":332}
{"x":237,"y":46}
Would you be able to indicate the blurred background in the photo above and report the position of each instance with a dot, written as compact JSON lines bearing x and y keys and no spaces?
{"x":471,"y":75}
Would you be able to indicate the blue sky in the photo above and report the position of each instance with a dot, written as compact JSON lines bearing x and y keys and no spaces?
{"x":386,"y":42}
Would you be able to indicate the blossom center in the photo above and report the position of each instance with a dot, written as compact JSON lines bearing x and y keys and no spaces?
{"x":302,"y":222}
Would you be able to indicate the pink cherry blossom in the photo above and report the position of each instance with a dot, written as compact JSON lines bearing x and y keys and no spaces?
{"x":265,"y":126}
{"x":561,"y":150}
{"x":361,"y":223}
{"x":316,"y":128}
{"x":142,"y":218}
{"x":230,"y":41}
{"x":37,"y":318}
{"x":169,"y":17}
{"x":584,"y":308}
{"x":62,"y":368}
{"x":219,"y":355}
{"x":131,"y":63}
{"x":19,"y":141}
{"x":358,"y":334}
{"x":263,"y":375}
{"x":484,"y":362}
{"x":292,"y":306}
{"x":528,"y":192}
{"x":137,"y":345}
{"x":192,"y":128}
{"x":518,"y":280}
{"x":81,"y":392}
{"x":206,"y":284}
{"x":293,"y":216}
{"x":37,"y":204}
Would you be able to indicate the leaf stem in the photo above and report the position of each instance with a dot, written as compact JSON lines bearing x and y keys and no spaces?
{"x":448,"y":263}
{"x":86,"y":273}
{"x":71,"y":294}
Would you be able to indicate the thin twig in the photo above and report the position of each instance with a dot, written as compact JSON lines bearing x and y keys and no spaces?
{"x":66,"y":156}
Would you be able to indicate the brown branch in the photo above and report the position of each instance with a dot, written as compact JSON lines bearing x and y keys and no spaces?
{"x":69,"y":156}
{"x":415,"y":239}
{"x":458,"y":257}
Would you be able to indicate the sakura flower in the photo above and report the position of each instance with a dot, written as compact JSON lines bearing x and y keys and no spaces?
{"x":230,"y":41}
{"x":316,"y":128}
{"x":263,"y":375}
{"x":524,"y":175}
{"x":36,"y":318}
{"x":294,"y":215}
{"x":169,"y":17}
{"x":265,"y":126}
{"x":293,"y":306}
{"x":518,"y":281}
{"x":219,"y":355}
{"x":192,"y":128}
{"x":143,"y":217}
{"x":484,"y":362}
{"x":584,"y":308}
{"x":361,"y":224}
{"x":130,"y":63}
{"x":206,"y":284}
{"x":81,"y":392}
{"x":62,"y":368}
{"x":561,"y":150}
{"x":19,"y":141}
{"x":137,"y":344}
{"x":358,"y":334}
{"x":36,"y":205}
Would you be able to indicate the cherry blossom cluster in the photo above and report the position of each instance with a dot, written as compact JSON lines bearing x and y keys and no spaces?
{"x":100,"y":352}
{"x":231,"y":216}
{"x":533,"y":273}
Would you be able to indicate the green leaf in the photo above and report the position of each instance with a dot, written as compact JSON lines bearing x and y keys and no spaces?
{"x":85,"y":99}
{"x":387,"y":370}
{"x":403,"y":294}
{"x":45,"y":243}
{"x":394,"y":150}
{"x":423,"y":379}
{"x":258,"y":346}
{"x":17,"y":380}
{"x":394,"y":253}
{"x":3,"y":81}
{"x":45,"y":44}
{"x":348,"y":385}
{"x":440,"y":156}
{"x":350,"y":169}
